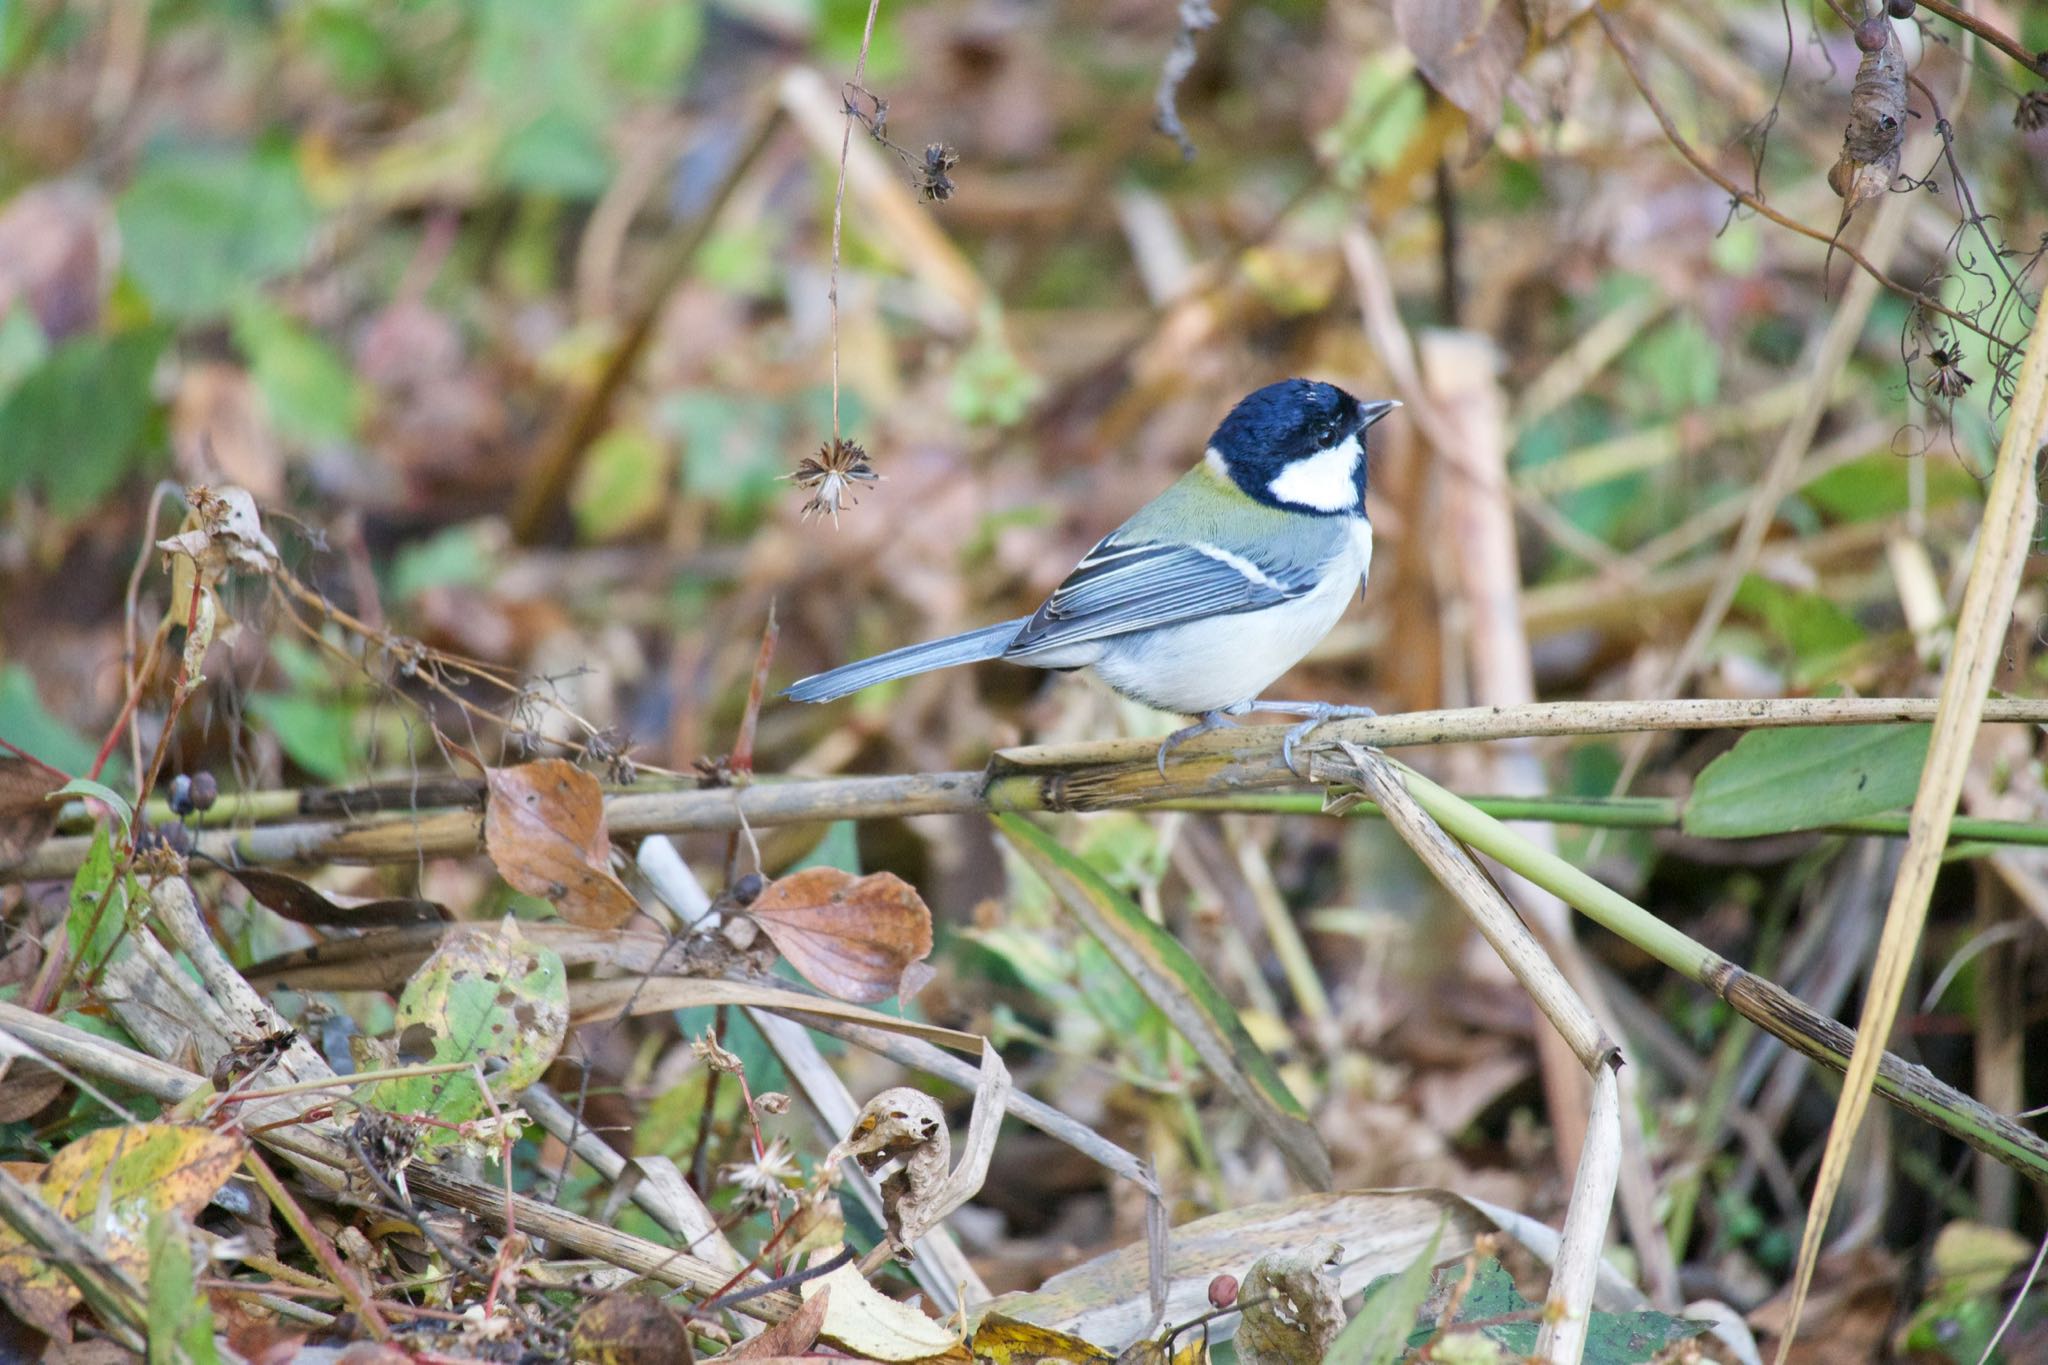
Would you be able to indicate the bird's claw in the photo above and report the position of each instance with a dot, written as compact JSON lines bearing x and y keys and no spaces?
{"x":1211,"y":720}
{"x":1321,"y":712}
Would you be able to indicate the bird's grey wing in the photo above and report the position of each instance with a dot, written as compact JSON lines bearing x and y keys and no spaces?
{"x":1123,"y":587}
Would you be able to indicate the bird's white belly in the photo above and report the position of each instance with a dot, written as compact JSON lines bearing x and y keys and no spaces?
{"x":1215,"y":663}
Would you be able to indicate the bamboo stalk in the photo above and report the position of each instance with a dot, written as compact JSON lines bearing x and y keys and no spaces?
{"x":1100,"y":775}
{"x":1568,"y":1313}
{"x":1772,"y":1008}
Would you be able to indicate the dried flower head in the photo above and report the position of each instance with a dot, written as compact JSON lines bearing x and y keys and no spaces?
{"x":387,"y":1144}
{"x":2032,"y":114}
{"x":935,"y":181}
{"x":829,"y":476}
{"x":712,"y":1055}
{"x":1948,"y":380}
{"x":763,"y":1182}
{"x":771,"y":1102}
{"x":613,"y":748}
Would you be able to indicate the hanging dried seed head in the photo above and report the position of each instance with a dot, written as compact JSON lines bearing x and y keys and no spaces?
{"x":2032,"y":114}
{"x":935,"y":181}
{"x":1947,"y":380}
{"x":829,"y":477}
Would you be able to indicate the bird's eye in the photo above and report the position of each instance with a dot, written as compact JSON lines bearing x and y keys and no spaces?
{"x":1327,"y":435}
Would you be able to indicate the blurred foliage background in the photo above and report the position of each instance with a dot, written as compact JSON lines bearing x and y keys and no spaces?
{"x":514,"y":314}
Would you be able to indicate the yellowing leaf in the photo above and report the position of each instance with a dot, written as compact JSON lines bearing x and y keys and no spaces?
{"x":862,"y":1321}
{"x":1006,"y":1341}
{"x":110,"y":1184}
{"x":492,"y":997}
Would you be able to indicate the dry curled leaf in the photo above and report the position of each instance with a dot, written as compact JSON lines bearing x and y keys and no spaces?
{"x":1293,"y":1308}
{"x":853,"y":938}
{"x":222,"y":531}
{"x":906,"y":1125}
{"x":544,"y":830}
{"x":299,"y":902}
{"x":1877,"y":120}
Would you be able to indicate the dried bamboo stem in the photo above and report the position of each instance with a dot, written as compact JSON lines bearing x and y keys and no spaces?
{"x":1101,"y":775}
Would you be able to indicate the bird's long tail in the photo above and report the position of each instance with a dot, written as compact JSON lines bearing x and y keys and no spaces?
{"x":987,"y":643}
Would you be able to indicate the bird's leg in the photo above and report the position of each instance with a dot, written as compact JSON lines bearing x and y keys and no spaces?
{"x":1211,"y":720}
{"x":1317,"y":712}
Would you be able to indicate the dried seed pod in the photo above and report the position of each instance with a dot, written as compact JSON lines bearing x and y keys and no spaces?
{"x":1877,"y":118}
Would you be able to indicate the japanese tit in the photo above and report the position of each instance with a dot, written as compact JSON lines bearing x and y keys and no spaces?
{"x":1210,"y":591}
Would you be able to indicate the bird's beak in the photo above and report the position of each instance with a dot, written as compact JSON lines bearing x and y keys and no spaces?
{"x":1376,"y":409}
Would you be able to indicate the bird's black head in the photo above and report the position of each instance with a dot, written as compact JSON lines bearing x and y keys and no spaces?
{"x":1299,"y":445}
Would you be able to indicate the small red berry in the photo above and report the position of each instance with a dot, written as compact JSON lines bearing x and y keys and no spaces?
{"x":1223,"y":1291}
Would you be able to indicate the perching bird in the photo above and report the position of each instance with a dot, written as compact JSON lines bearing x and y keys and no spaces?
{"x":1210,"y":591}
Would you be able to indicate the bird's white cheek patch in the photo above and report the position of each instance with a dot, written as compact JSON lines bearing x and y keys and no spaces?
{"x":1326,"y":481}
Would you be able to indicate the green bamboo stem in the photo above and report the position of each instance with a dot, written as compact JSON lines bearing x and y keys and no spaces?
{"x":1770,"y":1007}
{"x":1627,"y":812}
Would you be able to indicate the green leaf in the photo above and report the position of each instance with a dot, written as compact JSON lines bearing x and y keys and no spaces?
{"x":94,"y":930}
{"x":29,"y":726}
{"x":1774,"y":781}
{"x":622,"y":484}
{"x":75,"y":425}
{"x":319,"y":736}
{"x":556,"y":152}
{"x":1377,"y":1335}
{"x":1611,"y":1338}
{"x":488,"y":996}
{"x":1175,"y":983}
{"x":307,"y":386}
{"x":991,"y":386}
{"x":1879,"y":485}
{"x":180,"y":1319}
{"x":199,"y":227}
{"x":101,"y":792}
{"x":1808,"y":623}
{"x":1679,"y":363}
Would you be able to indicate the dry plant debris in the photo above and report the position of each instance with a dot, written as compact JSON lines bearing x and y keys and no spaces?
{"x":398,"y":411}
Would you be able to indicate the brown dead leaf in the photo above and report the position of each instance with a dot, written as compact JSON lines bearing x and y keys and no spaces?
{"x":220,"y":431}
{"x":544,"y":830}
{"x":1467,"y":50}
{"x":632,"y":1329}
{"x":853,"y":938}
{"x":29,"y":1086}
{"x":57,"y":255}
{"x":793,"y":1336}
{"x":302,"y":904}
{"x":26,"y":813}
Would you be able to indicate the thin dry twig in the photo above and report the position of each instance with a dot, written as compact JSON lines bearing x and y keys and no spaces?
{"x":860,"y":68}
{"x":1750,"y":201}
